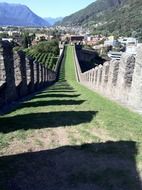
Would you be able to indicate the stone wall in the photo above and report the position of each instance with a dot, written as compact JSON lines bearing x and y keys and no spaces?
{"x":21,"y":75}
{"x":87,"y":58}
{"x":118,"y":80}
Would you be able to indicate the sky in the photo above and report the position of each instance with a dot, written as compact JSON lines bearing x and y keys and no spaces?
{"x":53,"y":8}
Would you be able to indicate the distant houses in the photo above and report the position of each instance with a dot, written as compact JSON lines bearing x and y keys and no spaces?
{"x":109,"y":47}
{"x":120,"y":45}
{"x":76,"y":39}
{"x":11,"y":36}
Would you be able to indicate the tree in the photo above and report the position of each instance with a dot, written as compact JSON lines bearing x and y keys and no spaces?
{"x":26,"y":42}
{"x":47,"y":47}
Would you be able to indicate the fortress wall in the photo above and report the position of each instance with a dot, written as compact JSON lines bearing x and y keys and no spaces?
{"x":135,"y":97}
{"x":20,"y":75}
{"x":117,"y":80}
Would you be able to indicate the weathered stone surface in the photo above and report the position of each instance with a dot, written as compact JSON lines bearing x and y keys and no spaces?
{"x":135,"y":98}
{"x":129,"y":71}
{"x":126,"y":69}
{"x":51,"y":75}
{"x":115,"y":73}
{"x":112,"y":77}
{"x":96,"y":76}
{"x":28,"y":71}
{"x":42,"y":73}
{"x":31,"y":84}
{"x":88,"y":58}
{"x":93,"y":76}
{"x":20,"y":75}
{"x":47,"y":75}
{"x":23,"y":90}
{"x":2,"y":68}
{"x":36,"y":71}
{"x":105,"y":72}
{"x":99,"y":77}
{"x":119,"y":80}
{"x":11,"y":93}
{"x":18,"y":78}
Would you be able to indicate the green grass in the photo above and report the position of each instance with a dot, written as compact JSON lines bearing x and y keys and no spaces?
{"x":120,"y":122}
{"x":70,"y":114}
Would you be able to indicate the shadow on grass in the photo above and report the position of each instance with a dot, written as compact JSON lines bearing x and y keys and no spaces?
{"x":61,"y":91}
{"x":45,"y":120}
{"x":51,"y":103}
{"x":102,"y":166}
{"x":62,"y":87}
{"x":56,"y":96}
{"x":68,"y":89}
{"x":57,"y":91}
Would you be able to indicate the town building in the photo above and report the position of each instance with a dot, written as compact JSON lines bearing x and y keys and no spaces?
{"x":76,"y":39}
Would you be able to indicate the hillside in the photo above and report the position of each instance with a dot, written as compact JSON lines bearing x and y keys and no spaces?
{"x":118,"y":16}
{"x":19,"y":15}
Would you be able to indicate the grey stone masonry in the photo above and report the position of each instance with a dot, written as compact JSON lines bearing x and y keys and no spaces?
{"x":2,"y":68}
{"x":23,"y":91}
{"x":96,"y":76}
{"x":99,"y":77}
{"x":135,"y":98}
{"x":126,"y":69}
{"x":28,"y":71}
{"x":21,"y":75}
{"x":105,"y":72}
{"x":111,"y":89}
{"x":37,"y":74}
{"x":32,"y":75}
{"x":45,"y":74}
{"x":17,"y":72}
{"x":42,"y":73}
{"x":11,"y":94}
{"x":118,"y":80}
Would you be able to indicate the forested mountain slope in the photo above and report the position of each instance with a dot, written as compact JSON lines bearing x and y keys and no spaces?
{"x":119,"y":16}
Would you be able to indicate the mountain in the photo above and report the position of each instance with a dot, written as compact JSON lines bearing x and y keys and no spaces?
{"x":95,"y":9}
{"x":19,"y":15}
{"x":52,"y":21}
{"x":113,"y":16}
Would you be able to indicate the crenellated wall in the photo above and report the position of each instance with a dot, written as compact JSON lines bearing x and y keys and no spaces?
{"x":118,"y":80}
{"x":21,"y":75}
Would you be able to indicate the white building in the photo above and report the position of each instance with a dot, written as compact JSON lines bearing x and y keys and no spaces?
{"x":7,"y":39}
{"x":128,"y":41}
{"x":110,"y":43}
{"x":115,"y":55}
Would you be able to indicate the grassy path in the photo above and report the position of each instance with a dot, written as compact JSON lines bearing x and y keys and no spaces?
{"x":70,"y":114}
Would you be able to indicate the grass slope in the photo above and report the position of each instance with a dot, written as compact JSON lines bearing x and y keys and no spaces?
{"x":68,"y":137}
